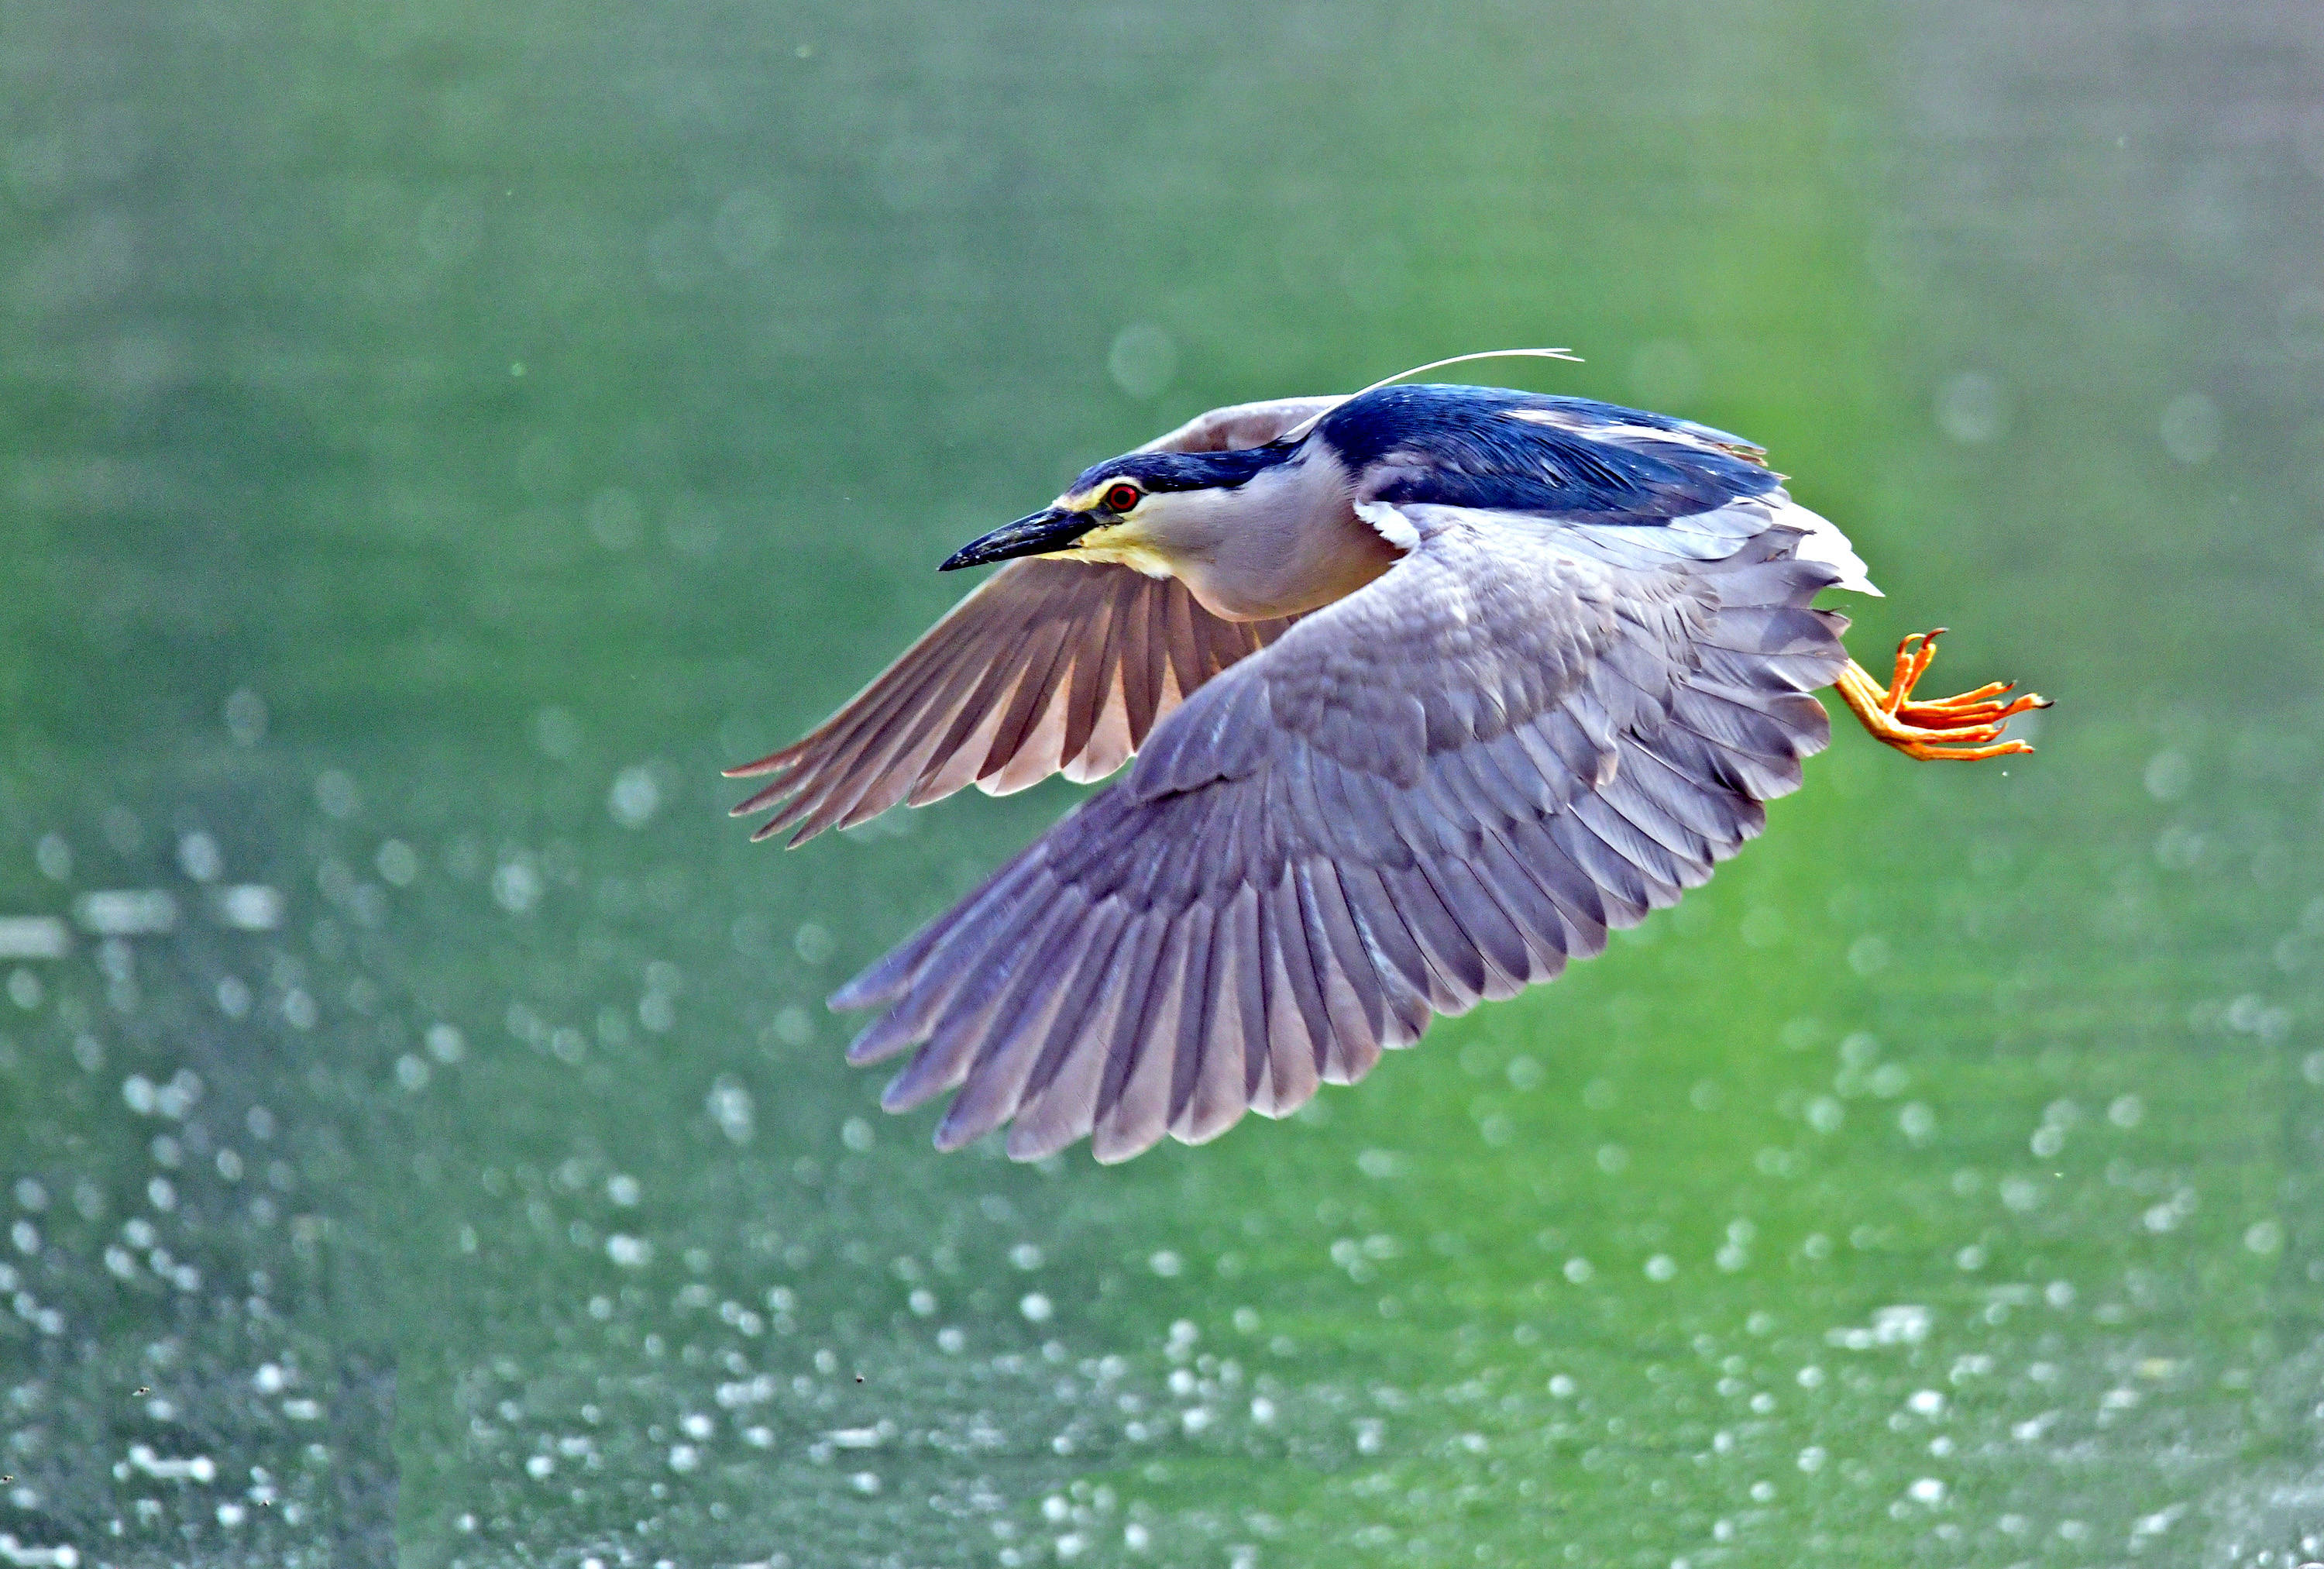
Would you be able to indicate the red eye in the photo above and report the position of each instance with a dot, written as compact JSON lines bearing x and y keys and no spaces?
{"x":1121,"y":498}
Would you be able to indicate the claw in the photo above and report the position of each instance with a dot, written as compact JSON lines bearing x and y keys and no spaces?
{"x":1983,"y":696}
{"x":1966,"y":727}
{"x":1912,"y":657}
{"x":1970,"y":708}
{"x":1928,"y":753}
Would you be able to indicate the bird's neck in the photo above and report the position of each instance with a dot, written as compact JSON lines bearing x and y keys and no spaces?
{"x":1284,"y":542}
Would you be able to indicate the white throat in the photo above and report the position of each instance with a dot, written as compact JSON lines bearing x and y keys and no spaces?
{"x":1284,"y":542}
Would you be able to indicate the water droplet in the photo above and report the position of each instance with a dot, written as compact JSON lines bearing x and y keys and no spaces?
{"x":1973,"y":408}
{"x":1143,"y":361}
{"x":615,"y":519}
{"x":2191,"y":427}
{"x":730,"y":1106}
{"x":336,"y":793}
{"x":747,"y":228}
{"x":635,"y":796}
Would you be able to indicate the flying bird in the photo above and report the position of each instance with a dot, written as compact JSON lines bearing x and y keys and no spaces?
{"x":1427,"y":688}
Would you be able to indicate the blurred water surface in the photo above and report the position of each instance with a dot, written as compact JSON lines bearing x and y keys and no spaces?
{"x":435,"y":439}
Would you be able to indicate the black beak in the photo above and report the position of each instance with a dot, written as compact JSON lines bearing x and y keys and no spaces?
{"x":1050,"y":529}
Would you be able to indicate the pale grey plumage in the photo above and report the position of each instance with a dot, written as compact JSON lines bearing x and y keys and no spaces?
{"x":1438,"y":788}
{"x":1372,"y":848}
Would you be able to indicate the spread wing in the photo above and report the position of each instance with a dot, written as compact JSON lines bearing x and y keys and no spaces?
{"x":1437,"y":789}
{"x":1048,"y":666}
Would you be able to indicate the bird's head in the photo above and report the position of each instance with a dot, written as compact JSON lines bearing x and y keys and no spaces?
{"x":1153,"y":510}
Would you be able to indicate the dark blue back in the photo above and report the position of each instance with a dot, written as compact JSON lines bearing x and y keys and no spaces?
{"x":1601,"y":462}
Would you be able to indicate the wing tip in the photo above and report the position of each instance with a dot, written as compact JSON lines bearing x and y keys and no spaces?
{"x":769,"y":796}
{"x":774,"y":763}
{"x":1026,"y":1145}
{"x":899,"y":1096}
{"x":864,"y":991}
{"x":877,"y":1041}
{"x":950,"y":1135}
{"x":776,"y":825}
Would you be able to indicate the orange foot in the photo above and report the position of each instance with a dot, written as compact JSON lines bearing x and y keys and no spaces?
{"x":1964,"y":728}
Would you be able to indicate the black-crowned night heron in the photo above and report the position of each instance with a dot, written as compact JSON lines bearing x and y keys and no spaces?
{"x":1428,"y":687}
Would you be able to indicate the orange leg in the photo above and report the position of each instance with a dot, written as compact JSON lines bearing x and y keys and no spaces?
{"x":1962,"y":728}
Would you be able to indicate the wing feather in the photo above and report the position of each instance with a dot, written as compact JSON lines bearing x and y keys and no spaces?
{"x":1353,"y":996}
{"x":1308,"y":1043}
{"x":1057,"y":948}
{"x":1093,"y":682}
{"x":1587,"y":910}
{"x":1458,"y":969}
{"x":1488,"y":924}
{"x":1049,"y":666}
{"x":1539,"y":920}
{"x":1132,"y":1108}
{"x":1006,"y":1072}
{"x":1210,"y":1094}
{"x":1406,"y":978}
{"x":1244,"y":939}
{"x":1207,"y":1056}
{"x":1037,"y":681}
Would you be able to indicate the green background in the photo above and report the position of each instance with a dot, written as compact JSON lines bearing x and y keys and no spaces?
{"x":435,"y":439}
